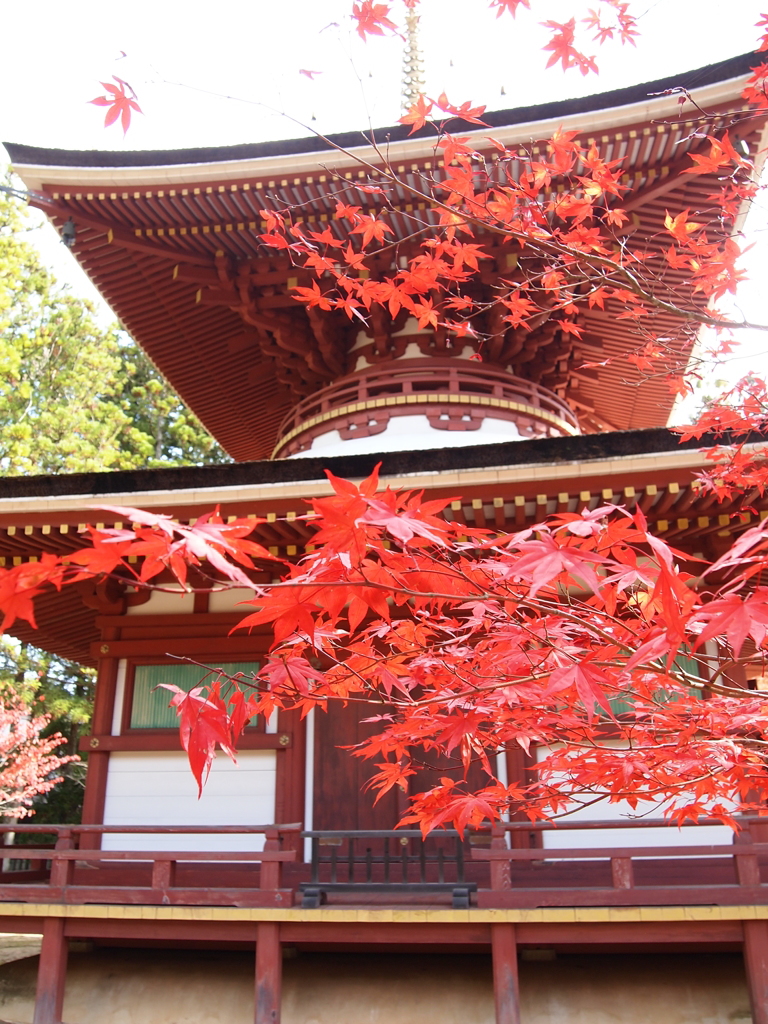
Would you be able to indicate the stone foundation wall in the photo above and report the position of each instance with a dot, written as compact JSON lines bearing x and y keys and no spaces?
{"x":159,"y":986}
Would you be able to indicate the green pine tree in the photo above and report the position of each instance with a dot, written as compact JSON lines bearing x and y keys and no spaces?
{"x":74,"y":397}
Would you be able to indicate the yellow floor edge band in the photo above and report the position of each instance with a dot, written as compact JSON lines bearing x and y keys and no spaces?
{"x":384,"y":915}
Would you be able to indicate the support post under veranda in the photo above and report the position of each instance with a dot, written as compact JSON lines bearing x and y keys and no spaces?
{"x":505,"y":980}
{"x":269,"y":970}
{"x":51,"y":973}
{"x":756,"y":964}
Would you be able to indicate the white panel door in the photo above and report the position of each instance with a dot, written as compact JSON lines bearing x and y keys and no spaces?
{"x":158,"y":789}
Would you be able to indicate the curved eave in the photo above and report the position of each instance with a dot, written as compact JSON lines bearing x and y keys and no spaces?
{"x":650,"y":101}
{"x":509,"y":485}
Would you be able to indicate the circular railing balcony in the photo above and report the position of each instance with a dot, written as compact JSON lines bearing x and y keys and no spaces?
{"x":453,"y":395}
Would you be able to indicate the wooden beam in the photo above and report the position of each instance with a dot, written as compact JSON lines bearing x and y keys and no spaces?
{"x":200,"y":647}
{"x":51,"y":973}
{"x":619,"y":935}
{"x":269,"y":969}
{"x":359,"y":935}
{"x":168,"y":739}
{"x":505,"y":981}
{"x":756,"y":963}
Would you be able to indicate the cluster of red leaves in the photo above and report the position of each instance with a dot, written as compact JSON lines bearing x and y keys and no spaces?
{"x":738,"y":420}
{"x":560,"y":212}
{"x":577,"y":637}
{"x":156,"y":547}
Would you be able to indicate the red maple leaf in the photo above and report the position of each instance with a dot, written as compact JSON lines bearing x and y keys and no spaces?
{"x":563,"y":50}
{"x":417,"y":114}
{"x":372,"y":18}
{"x":737,"y":618}
{"x":508,"y":5}
{"x":293,"y":673}
{"x":120,"y":101}
{"x":203,"y":725}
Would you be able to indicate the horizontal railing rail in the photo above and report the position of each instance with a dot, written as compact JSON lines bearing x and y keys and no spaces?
{"x":182,"y":830}
{"x":515,"y":864}
{"x":656,"y":873}
{"x":396,"y":388}
{"x":76,"y":870}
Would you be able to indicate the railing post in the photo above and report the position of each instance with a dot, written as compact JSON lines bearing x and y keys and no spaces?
{"x":62,"y":870}
{"x":505,"y":982}
{"x":51,"y":973}
{"x":747,"y":866}
{"x":622,"y":873}
{"x":269,"y":970}
{"x":501,"y":873}
{"x":270,"y":869}
{"x":163,"y":874}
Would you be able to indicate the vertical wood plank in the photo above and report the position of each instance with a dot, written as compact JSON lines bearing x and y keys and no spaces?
{"x":163,"y":874}
{"x":269,"y":971}
{"x":269,"y":877}
{"x":756,"y":963}
{"x":622,"y":872}
{"x":500,"y":869}
{"x":51,"y":973}
{"x":290,"y":774}
{"x":95,"y":794}
{"x":63,"y":870}
{"x":340,"y":799}
{"x":98,"y":761}
{"x":505,"y":982}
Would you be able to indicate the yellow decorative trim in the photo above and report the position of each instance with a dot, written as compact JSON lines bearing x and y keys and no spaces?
{"x":400,"y":400}
{"x":386,"y":915}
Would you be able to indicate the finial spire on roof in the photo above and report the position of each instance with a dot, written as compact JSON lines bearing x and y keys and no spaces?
{"x":413,"y":66}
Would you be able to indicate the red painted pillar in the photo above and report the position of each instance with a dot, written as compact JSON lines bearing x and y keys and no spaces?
{"x":98,"y":761}
{"x":505,"y":984}
{"x":51,"y":973}
{"x":756,"y":963}
{"x":269,"y":973}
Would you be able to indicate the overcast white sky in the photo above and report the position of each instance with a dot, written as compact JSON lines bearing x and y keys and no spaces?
{"x":55,"y":55}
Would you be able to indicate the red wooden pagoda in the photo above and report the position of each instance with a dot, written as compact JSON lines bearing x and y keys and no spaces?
{"x":285,"y":853}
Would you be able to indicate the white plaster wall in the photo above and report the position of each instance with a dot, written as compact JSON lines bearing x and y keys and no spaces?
{"x":230,"y":600}
{"x":158,"y":789}
{"x":622,"y":810}
{"x":165,"y":602}
{"x":411,"y":433}
{"x":117,"y":710}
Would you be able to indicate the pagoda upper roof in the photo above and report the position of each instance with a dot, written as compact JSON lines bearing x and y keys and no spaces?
{"x":172,"y":239}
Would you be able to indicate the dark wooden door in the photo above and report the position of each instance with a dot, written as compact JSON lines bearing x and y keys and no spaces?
{"x":341,"y":800}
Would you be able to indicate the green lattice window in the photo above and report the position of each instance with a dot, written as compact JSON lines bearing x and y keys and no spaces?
{"x":149,"y":706}
{"x":690,"y":666}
